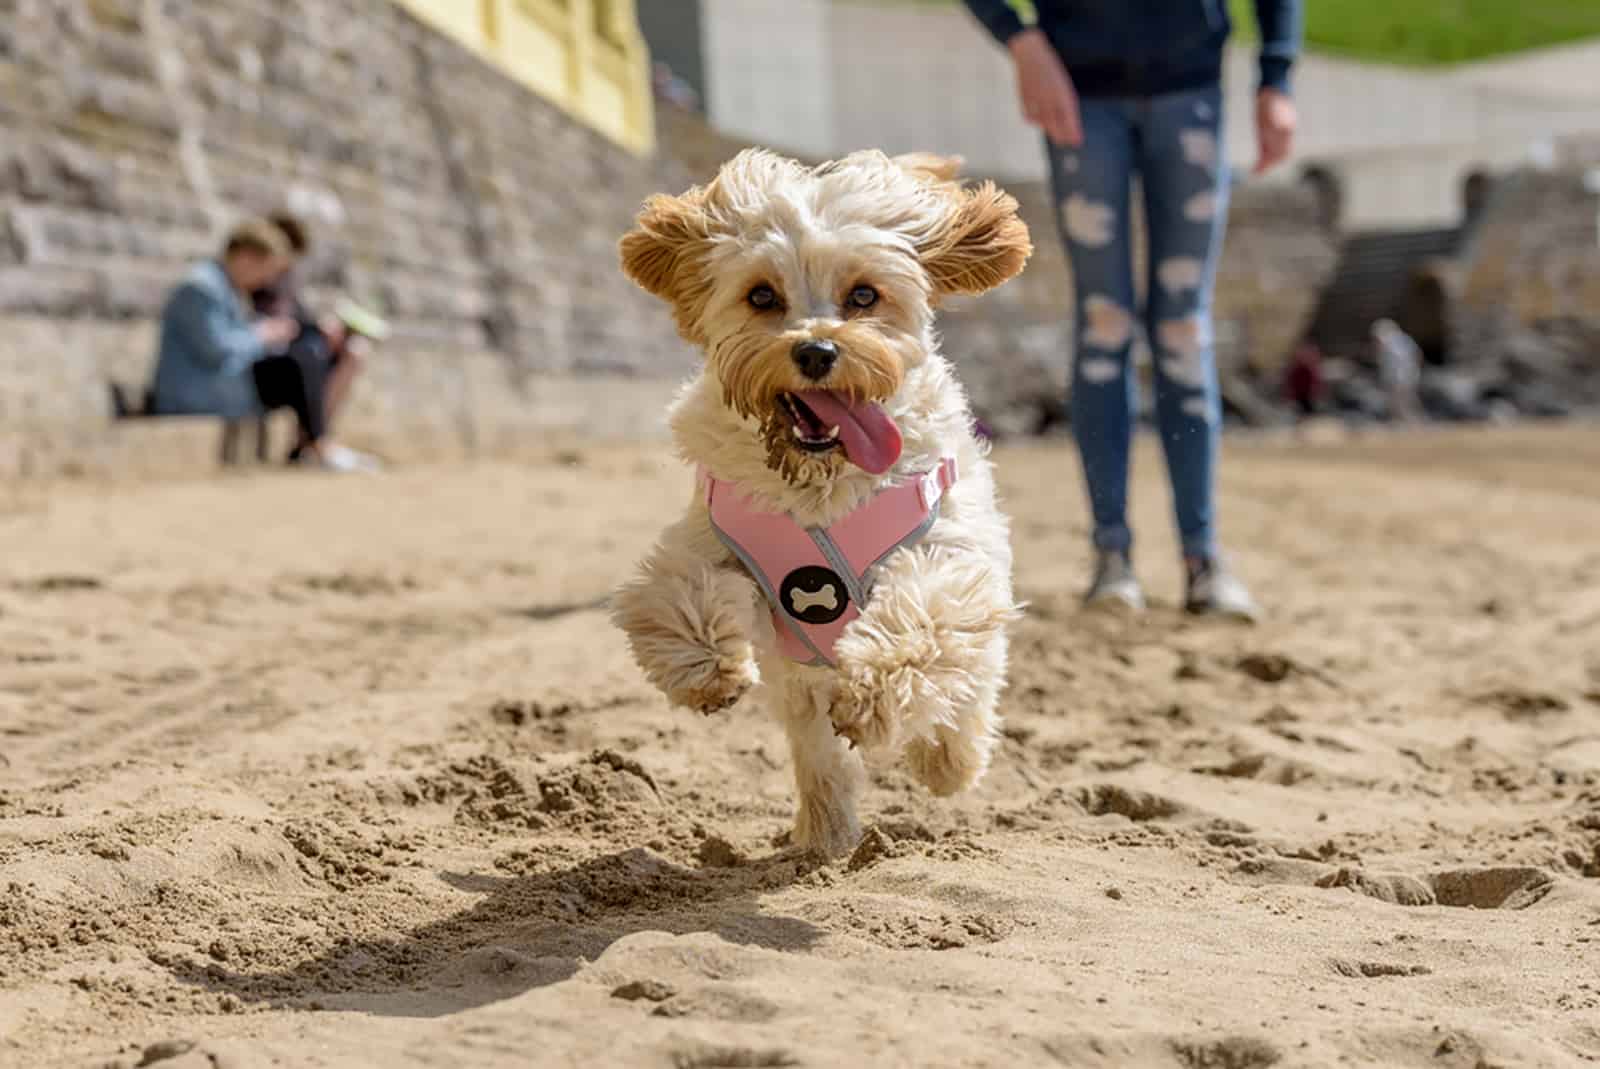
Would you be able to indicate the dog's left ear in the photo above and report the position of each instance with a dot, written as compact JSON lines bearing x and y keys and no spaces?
{"x":929,"y":166}
{"x":982,"y":243}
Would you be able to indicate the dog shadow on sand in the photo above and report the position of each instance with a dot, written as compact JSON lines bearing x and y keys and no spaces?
{"x":526,"y":932}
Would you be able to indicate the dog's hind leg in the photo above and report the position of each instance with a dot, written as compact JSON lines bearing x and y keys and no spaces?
{"x":828,"y":775}
{"x":923,"y":666}
{"x":956,"y":756}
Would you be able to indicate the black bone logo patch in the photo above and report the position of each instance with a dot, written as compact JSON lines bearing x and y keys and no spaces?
{"x":814,"y":595}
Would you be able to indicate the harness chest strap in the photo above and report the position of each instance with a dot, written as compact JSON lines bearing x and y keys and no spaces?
{"x":817,"y":578}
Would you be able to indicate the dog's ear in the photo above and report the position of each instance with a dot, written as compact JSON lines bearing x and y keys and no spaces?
{"x":930,"y":166}
{"x":665,"y":234}
{"x":982,"y":243}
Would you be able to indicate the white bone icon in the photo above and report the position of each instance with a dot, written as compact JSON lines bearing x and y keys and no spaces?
{"x":805,"y":600}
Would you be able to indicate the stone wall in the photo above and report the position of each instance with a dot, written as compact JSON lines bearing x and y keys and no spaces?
{"x":1526,"y":314}
{"x":1537,"y":254}
{"x":481,"y":218}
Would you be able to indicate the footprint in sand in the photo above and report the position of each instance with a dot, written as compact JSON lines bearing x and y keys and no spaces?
{"x":1265,"y":768}
{"x":1515,"y":703}
{"x":1102,"y":799}
{"x":1234,"y":1052}
{"x":696,"y":1054}
{"x":1497,"y":888}
{"x":1376,"y":970}
{"x":58,"y":584}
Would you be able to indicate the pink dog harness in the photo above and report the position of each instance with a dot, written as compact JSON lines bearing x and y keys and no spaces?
{"x":817,"y":578}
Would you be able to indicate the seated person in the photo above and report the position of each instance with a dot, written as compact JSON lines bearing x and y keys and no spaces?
{"x":213,"y":360}
{"x":327,"y":347}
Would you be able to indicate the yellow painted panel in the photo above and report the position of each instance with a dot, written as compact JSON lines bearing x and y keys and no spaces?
{"x":536,"y":56}
{"x":606,"y":104}
{"x":461,"y":19}
{"x":585,"y":55}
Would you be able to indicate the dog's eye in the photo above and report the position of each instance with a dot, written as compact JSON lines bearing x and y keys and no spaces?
{"x":863,"y":297}
{"x":762,"y":297}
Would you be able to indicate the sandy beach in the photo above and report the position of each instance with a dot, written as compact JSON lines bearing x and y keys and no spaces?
{"x":318,"y":772}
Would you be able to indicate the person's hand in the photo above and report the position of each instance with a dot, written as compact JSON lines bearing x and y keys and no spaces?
{"x":1276,"y":119}
{"x":1048,"y":99}
{"x":277,"y":331}
{"x":334,"y":329}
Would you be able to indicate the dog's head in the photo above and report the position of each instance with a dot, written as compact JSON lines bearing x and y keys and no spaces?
{"x":811,"y":289}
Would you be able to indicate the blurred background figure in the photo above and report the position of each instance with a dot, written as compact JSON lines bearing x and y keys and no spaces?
{"x":1399,"y":370}
{"x":236,"y":342}
{"x":209,"y":343}
{"x":1304,"y":385}
{"x":327,"y":350}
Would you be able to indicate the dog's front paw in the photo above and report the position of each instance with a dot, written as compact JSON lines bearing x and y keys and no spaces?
{"x":715,"y":684}
{"x":864,"y":712}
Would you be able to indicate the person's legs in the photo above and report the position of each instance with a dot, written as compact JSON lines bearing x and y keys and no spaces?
{"x":342,"y":371}
{"x":287,"y":382}
{"x":1185,"y":176}
{"x":1185,"y":180}
{"x":1091,"y":187}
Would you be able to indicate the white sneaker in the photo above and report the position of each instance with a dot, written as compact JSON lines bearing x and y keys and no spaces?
{"x":342,"y":458}
{"x":1215,"y":591}
{"x":1114,"y":587}
{"x":339,"y":459}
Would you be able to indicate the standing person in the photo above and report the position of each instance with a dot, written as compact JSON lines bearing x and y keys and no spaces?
{"x":1133,"y":87}
{"x":1399,"y":369}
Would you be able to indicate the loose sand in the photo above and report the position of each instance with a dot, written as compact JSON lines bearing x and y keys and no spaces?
{"x":300,"y":771}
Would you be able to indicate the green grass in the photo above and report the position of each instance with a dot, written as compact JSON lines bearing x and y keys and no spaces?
{"x":1429,"y":32}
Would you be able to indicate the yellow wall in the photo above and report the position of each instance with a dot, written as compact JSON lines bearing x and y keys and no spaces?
{"x":585,"y":55}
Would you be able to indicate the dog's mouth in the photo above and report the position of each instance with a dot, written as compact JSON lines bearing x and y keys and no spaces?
{"x":821,"y":421}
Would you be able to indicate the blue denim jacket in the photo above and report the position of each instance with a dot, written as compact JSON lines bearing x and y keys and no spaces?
{"x":1149,"y":47}
{"x":206,"y":349}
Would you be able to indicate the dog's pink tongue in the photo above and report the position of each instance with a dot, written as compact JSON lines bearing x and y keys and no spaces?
{"x":871,"y":439}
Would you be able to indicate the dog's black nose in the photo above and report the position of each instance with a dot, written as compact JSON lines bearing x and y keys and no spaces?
{"x":815,"y":357}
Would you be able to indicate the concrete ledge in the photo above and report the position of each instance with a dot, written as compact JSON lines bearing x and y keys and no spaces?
{"x":549,"y":411}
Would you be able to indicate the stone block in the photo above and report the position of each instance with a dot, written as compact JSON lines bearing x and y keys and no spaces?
{"x":54,"y":291}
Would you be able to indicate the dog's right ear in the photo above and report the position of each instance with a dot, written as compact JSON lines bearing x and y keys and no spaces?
{"x":657,"y":250}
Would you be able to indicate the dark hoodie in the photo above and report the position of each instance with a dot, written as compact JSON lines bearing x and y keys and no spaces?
{"x":1148,"y":47}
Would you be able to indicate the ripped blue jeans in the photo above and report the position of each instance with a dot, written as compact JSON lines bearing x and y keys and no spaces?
{"x":1174,"y":144}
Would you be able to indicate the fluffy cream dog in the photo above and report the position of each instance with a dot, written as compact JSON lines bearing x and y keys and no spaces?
{"x":826,"y":425}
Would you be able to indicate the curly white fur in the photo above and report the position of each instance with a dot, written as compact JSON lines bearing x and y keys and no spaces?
{"x":920,"y":671}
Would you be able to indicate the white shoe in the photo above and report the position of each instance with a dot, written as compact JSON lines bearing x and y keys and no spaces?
{"x":342,"y":458}
{"x":339,"y":459}
{"x":1114,"y":587}
{"x":1215,"y":591}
